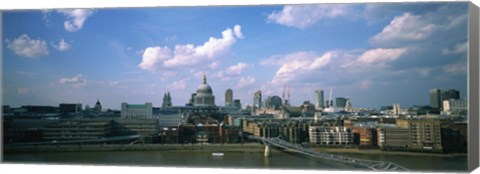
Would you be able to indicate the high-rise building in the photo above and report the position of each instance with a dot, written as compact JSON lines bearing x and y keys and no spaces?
{"x":396,"y":109}
{"x":257,"y":101}
{"x":319,"y":100}
{"x":437,"y":96}
{"x":229,"y":97}
{"x":348,"y":106}
{"x":204,"y":96}
{"x":340,"y":102}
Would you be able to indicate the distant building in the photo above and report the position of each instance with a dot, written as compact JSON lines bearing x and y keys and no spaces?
{"x":237,"y":103}
{"x":437,"y":96}
{"x":167,"y":100}
{"x":330,"y":135}
{"x":454,"y":106}
{"x":66,"y":108}
{"x":393,"y":138}
{"x":348,"y":106}
{"x":98,"y":106}
{"x":40,"y":109}
{"x":340,"y":102}
{"x":364,"y":136}
{"x":204,"y":96}
{"x":273,"y":102}
{"x":167,"y":120}
{"x":319,"y":100}
{"x":229,"y":97}
{"x":136,"y":110}
{"x":396,"y":109}
{"x":257,"y":101}
{"x":330,"y":104}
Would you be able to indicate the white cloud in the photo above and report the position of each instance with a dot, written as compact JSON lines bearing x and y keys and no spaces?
{"x":75,"y":18}
{"x":237,"y":30}
{"x":457,"y":49}
{"x":237,"y":69}
{"x":381,"y":55}
{"x":298,"y":63}
{"x":154,"y":55}
{"x":214,"y":64}
{"x":155,"y":58}
{"x":456,"y":68}
{"x":303,"y":16}
{"x":62,"y":45}
{"x":425,"y":71}
{"x":23,"y":91}
{"x":245,"y":81}
{"x":107,"y":83}
{"x":78,"y":81}
{"x":173,"y":37}
{"x":407,"y":27}
{"x":26,"y":47}
{"x":365,"y":84}
{"x":180,"y":84}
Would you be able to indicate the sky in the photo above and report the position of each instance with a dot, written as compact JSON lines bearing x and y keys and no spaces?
{"x":375,"y":54}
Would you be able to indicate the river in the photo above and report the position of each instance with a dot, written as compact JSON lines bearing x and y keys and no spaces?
{"x":278,"y":160}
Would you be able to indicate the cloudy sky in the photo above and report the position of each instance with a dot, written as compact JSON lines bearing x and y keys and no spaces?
{"x":375,"y":54}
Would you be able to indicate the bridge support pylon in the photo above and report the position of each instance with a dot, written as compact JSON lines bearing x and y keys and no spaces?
{"x":267,"y":151}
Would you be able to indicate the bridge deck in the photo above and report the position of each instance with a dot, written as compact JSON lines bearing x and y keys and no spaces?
{"x":363,"y":163}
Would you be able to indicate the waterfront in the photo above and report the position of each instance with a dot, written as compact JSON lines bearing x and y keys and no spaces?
{"x":250,"y":158}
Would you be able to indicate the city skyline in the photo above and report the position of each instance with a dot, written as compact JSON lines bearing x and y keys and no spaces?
{"x":375,"y":54}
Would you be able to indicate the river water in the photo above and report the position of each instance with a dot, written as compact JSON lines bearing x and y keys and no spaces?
{"x":278,"y":160}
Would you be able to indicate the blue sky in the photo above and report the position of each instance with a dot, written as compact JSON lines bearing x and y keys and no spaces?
{"x":375,"y":54}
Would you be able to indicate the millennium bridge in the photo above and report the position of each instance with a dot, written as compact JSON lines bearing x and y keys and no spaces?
{"x":357,"y":162}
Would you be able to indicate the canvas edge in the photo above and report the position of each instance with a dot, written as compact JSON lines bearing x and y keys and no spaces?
{"x":473,"y":87}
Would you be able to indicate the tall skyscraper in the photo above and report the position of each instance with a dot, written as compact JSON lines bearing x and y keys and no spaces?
{"x":257,"y":101}
{"x":319,"y":100}
{"x":229,"y":97}
{"x":437,"y":96}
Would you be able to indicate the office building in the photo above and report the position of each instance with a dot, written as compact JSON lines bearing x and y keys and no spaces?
{"x":136,"y":110}
{"x":237,"y":103}
{"x":437,"y":96}
{"x":319,"y":100}
{"x":229,"y":97}
{"x":454,"y":106}
{"x":340,"y":102}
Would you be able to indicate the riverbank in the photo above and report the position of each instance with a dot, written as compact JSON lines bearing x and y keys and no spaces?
{"x":246,"y":147}
{"x":356,"y":151}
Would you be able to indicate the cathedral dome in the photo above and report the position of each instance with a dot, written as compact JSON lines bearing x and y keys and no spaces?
{"x":204,"y":88}
{"x":204,"y":95}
